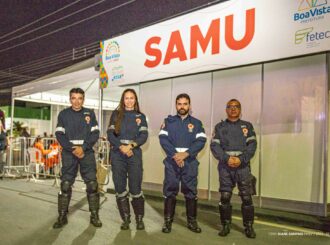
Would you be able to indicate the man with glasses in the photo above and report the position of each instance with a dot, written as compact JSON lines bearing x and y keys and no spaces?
{"x":234,"y":144}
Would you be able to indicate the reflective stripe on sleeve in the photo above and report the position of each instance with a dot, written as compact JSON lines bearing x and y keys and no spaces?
{"x":143,"y":129}
{"x":60,"y":129}
{"x":94,"y":128}
{"x":215,"y":141}
{"x":251,"y":138}
{"x":163,"y":132}
{"x":200,"y":135}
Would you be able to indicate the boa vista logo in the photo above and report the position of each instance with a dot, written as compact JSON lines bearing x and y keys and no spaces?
{"x":309,"y":9}
{"x":112,"y":52}
{"x":308,"y":4}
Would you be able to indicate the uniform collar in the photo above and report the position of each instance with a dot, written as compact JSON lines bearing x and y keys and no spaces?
{"x":228,"y":121}
{"x":179,"y":117}
{"x":82,"y":108}
{"x":129,"y":111}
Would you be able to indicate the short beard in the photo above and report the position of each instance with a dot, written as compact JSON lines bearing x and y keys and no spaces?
{"x":182,"y":112}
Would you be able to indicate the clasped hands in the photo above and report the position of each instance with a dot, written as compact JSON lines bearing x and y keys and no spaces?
{"x":78,"y":152}
{"x":126,"y":150}
{"x":179,"y":158}
{"x":234,"y":162}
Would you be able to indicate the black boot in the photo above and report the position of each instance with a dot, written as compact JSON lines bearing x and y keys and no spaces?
{"x":191,"y":208}
{"x":169,"y":209}
{"x":124,"y":211}
{"x":225,"y":219}
{"x":138,"y":207}
{"x":63,"y":206}
{"x":94,"y":206}
{"x":248,"y":217}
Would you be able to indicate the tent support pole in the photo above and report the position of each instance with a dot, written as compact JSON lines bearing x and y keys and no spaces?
{"x":11,"y":129}
{"x":100,"y":111}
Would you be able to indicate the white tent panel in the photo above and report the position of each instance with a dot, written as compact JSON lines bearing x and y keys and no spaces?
{"x":55,"y":90}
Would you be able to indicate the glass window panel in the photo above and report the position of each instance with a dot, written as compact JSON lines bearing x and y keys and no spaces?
{"x":155,"y":102}
{"x":199,"y":89}
{"x":293,"y":124}
{"x":243,"y":84}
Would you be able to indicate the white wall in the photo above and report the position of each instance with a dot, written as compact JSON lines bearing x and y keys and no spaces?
{"x":293,"y":128}
{"x":155,"y":102}
{"x":286,"y":107}
{"x":243,"y":84}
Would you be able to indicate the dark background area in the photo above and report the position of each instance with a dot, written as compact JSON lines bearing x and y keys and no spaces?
{"x":38,"y":37}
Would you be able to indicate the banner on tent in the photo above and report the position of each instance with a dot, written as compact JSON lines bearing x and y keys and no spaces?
{"x":103,"y":74}
{"x":225,"y":35}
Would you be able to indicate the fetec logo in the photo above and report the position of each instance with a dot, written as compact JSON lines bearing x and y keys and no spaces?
{"x":177,"y":49}
{"x":112,"y":52}
{"x":309,"y":36}
{"x":302,"y":34}
{"x":311,"y":8}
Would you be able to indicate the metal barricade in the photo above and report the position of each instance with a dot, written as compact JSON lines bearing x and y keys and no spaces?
{"x":103,"y":163}
{"x":33,"y":157}
{"x":15,"y":157}
{"x":44,"y":159}
{"x":36,"y":158}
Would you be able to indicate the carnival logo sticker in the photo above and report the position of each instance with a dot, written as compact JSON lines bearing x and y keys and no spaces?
{"x":112,"y":52}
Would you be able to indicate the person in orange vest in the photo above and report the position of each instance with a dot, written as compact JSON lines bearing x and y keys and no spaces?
{"x":53,"y":156}
{"x":40,"y":146}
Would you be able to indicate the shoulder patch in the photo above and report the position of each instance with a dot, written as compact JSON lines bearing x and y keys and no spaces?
{"x":245,"y":131}
{"x":87,"y":119}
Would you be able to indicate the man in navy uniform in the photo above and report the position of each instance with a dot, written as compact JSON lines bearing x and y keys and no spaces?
{"x":234,"y":144}
{"x":77,"y":131}
{"x":182,"y":137}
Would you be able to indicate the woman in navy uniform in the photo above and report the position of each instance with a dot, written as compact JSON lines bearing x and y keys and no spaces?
{"x":127,"y":131}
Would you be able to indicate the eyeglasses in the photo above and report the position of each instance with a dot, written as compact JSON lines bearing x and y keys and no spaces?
{"x":233,"y":107}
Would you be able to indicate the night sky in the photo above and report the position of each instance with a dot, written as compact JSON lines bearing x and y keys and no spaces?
{"x":37,"y":37}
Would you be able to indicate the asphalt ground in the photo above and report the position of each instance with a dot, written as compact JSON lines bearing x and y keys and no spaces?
{"x":29,"y":209}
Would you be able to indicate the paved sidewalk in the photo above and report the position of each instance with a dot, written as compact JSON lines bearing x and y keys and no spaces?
{"x":28,"y":211}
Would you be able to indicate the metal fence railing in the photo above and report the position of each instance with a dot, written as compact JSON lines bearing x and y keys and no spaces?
{"x":103,"y":163}
{"x":37,"y":158}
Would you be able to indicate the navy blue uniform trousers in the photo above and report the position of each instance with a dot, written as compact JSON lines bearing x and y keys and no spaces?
{"x":124,"y":168}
